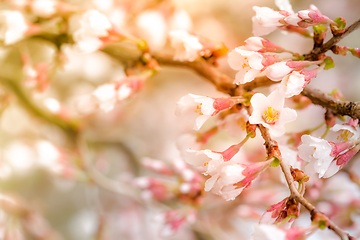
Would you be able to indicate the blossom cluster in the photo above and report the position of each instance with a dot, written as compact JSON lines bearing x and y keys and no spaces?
{"x":116,"y":49}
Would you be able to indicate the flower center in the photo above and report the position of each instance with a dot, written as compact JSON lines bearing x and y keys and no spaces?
{"x":198,"y":109}
{"x":345,"y":135}
{"x":271,"y":115}
{"x":246,"y":63}
{"x":241,"y":122}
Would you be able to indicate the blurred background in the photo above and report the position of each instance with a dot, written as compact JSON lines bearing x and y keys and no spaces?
{"x":43,"y":185}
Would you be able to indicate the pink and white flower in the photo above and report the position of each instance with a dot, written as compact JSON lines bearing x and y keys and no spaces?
{"x":223,"y":182}
{"x":259,"y":44}
{"x":293,"y":84}
{"x":201,"y":108}
{"x":12,"y":26}
{"x":152,"y":26}
{"x":278,"y":71}
{"x":92,"y":26}
{"x":283,"y":213}
{"x":317,"y":152}
{"x":266,"y":20}
{"x":44,"y":8}
{"x":270,"y":112}
{"x":186,"y":46}
{"x":248,"y":64}
{"x":306,"y":18}
{"x":235,"y":124}
{"x":325,"y":158}
{"x":348,"y":131}
{"x":105,"y":96}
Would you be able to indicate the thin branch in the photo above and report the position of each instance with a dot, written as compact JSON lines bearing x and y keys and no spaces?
{"x":332,"y":42}
{"x":223,"y":82}
{"x":351,"y":109}
{"x":294,"y":193}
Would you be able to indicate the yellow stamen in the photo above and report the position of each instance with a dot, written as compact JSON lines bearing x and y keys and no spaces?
{"x":198,"y":109}
{"x":345,"y":135}
{"x":271,"y":115}
{"x":241,"y":122}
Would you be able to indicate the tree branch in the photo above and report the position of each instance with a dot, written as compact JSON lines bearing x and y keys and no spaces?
{"x":351,"y":109}
{"x":294,"y":193}
{"x":224,"y":83}
{"x":313,"y":55}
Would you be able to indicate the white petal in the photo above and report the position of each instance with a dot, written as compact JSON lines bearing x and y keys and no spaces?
{"x":277,"y":71}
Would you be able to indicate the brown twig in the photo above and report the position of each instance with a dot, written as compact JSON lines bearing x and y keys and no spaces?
{"x":351,"y":109}
{"x":313,"y":55}
{"x":223,"y":82}
{"x":294,"y":193}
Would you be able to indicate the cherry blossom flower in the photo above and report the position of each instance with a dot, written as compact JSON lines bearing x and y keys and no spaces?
{"x":326,"y":158}
{"x":152,"y":27}
{"x":229,"y":179}
{"x":278,"y":71}
{"x":206,"y":158}
{"x":270,"y":112}
{"x":106,"y":96}
{"x":317,"y":152}
{"x":172,"y":220}
{"x":293,"y":84}
{"x":283,"y":213}
{"x":259,"y":44}
{"x":348,"y":131}
{"x":93,"y":25}
{"x":248,"y":64}
{"x":186,"y":46}
{"x":306,"y":18}
{"x":234,"y":124}
{"x":266,"y":20}
{"x":12,"y":26}
{"x":223,"y":181}
{"x":284,"y":5}
{"x":44,"y":8}
{"x":201,"y":108}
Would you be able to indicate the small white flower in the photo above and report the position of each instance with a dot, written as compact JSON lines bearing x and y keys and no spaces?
{"x":248,"y":63}
{"x":292,"y":84}
{"x":12,"y":26}
{"x":293,"y":19}
{"x":317,"y":152}
{"x":270,"y":112}
{"x":284,"y":5}
{"x":152,"y":26}
{"x":254,"y":43}
{"x":93,"y":25}
{"x":180,"y":20}
{"x":195,"y":106}
{"x":106,"y":96}
{"x":186,"y":46}
{"x":44,"y":8}
{"x":206,"y":158}
{"x":235,"y":124}
{"x":347,"y":131}
{"x":266,"y":20}
{"x":223,"y":179}
{"x":278,"y":71}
